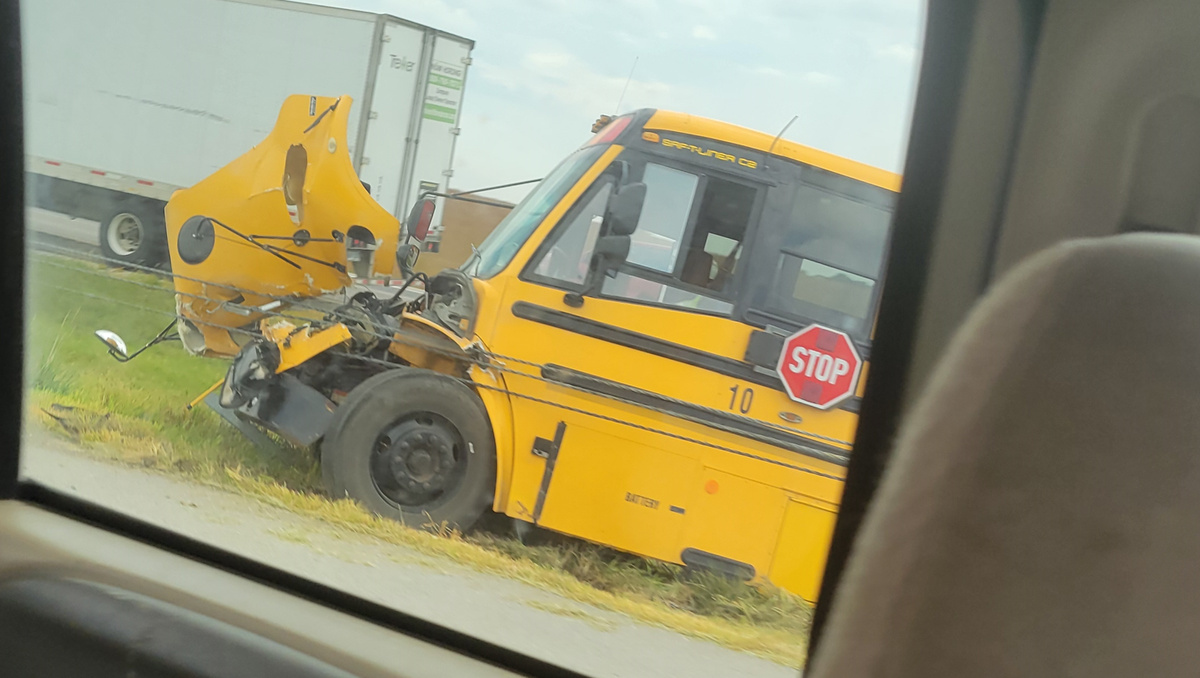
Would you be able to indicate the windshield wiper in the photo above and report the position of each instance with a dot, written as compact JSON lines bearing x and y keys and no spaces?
{"x":476,"y":255}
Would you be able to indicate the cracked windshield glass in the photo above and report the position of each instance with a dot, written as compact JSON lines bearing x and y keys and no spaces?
{"x":547,"y":322}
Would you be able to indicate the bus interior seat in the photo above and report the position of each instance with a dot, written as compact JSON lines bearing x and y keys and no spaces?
{"x":725,"y":268}
{"x":697,"y":268}
{"x":1040,"y":515}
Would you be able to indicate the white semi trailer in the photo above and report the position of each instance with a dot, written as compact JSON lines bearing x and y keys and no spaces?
{"x":128,"y":100}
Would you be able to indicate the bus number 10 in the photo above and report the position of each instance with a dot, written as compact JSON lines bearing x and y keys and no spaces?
{"x":747,"y":399}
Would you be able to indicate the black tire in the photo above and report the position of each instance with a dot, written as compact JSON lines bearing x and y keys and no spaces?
{"x":431,"y":412}
{"x":135,"y":233}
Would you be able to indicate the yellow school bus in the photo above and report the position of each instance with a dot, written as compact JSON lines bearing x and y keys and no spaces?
{"x":604,"y":365}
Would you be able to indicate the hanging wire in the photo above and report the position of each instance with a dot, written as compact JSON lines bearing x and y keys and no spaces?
{"x":487,"y":361}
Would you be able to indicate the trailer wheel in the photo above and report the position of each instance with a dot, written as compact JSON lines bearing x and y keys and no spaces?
{"x":414,"y":446}
{"x":134,"y":234}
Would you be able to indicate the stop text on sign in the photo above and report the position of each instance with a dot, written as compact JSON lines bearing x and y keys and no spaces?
{"x":819,"y":366}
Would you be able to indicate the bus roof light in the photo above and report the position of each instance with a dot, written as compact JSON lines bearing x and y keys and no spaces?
{"x":611,"y":131}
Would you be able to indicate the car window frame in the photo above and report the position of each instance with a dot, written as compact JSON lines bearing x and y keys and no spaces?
{"x":942,"y":86}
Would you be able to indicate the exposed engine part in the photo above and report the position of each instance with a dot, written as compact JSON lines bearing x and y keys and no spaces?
{"x":367,"y":320}
{"x":336,"y":373}
{"x":396,"y":305}
{"x":251,"y":372}
{"x":453,"y":301}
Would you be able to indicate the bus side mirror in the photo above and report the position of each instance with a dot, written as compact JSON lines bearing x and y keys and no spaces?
{"x":419,"y":218}
{"x":610,"y":251}
{"x":625,"y":208}
{"x":115,"y":344}
{"x":607,"y":255}
{"x":621,"y":220}
{"x":406,"y":258}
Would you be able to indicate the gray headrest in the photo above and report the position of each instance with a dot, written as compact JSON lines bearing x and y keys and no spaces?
{"x":1041,"y":514}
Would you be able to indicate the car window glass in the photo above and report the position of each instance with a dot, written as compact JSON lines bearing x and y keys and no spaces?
{"x":510,"y":234}
{"x":825,"y":252}
{"x":831,"y":255}
{"x":233,"y":333}
{"x":699,"y":263}
{"x":721,"y":228}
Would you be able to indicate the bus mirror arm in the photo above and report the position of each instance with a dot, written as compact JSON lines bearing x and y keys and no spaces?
{"x":620,"y":221}
{"x":610,"y":251}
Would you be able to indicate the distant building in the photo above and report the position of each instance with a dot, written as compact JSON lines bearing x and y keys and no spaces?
{"x":464,"y":224}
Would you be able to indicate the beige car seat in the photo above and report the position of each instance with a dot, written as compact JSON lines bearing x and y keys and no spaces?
{"x":1041,"y":513}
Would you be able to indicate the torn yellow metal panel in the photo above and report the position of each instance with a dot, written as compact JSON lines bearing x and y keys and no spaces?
{"x":274,"y":224}
{"x":298,"y":345}
{"x":424,"y":344}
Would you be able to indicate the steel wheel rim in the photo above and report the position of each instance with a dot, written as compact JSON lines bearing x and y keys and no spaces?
{"x":125,"y":234}
{"x":412,"y":472}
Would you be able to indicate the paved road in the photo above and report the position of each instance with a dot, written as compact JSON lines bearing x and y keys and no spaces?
{"x":58,"y":233}
{"x":61,"y":226}
{"x":580,"y":637}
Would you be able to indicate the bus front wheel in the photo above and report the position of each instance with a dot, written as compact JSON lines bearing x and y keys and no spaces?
{"x":414,"y":446}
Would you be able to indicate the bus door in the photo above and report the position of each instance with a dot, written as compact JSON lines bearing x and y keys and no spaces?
{"x":659,"y":333}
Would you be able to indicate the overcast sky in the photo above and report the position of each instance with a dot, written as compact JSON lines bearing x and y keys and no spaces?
{"x":545,"y":69}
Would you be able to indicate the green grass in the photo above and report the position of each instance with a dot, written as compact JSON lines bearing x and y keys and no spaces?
{"x":141,"y":404}
{"x":136,"y":413}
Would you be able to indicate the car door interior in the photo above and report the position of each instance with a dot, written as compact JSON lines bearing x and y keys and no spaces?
{"x":1035,"y":489}
{"x":77,"y":599}
{"x":1053,"y":169}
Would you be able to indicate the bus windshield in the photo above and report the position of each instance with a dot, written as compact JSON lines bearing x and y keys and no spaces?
{"x":501,"y":246}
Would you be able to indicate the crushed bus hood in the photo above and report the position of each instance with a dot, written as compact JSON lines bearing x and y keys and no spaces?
{"x":288,"y":220}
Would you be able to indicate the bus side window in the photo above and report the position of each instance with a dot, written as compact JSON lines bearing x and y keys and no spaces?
{"x":822,"y":255}
{"x":675,"y":266}
{"x":670,"y":194}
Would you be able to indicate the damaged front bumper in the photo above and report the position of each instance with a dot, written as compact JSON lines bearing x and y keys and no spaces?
{"x":287,"y":407}
{"x":259,"y":391}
